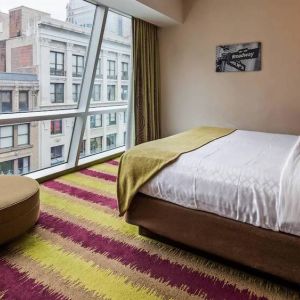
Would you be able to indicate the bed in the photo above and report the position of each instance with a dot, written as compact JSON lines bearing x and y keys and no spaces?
{"x":237,"y":197}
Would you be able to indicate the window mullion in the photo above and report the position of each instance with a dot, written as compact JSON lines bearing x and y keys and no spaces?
{"x":88,"y":82}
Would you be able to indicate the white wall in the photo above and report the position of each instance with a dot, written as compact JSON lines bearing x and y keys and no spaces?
{"x":193,"y":94}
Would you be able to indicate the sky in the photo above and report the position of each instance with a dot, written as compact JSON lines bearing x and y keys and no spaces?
{"x":57,"y":8}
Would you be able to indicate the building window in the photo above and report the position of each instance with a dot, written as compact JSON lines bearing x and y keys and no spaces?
{"x":120,"y":25}
{"x":23,"y":165}
{"x":96,"y":93}
{"x":112,"y":119}
{"x":77,"y":65}
{"x":124,"y":92}
{"x":111,"y":71}
{"x":6,"y":137}
{"x":96,"y":145}
{"x":57,"y":63}
{"x":23,"y":134}
{"x":7,"y":167}
{"x":125,"y":117}
{"x":95,"y":121}
{"x":76,"y":91}
{"x":111,"y":140}
{"x":82,"y":148}
{"x":57,"y":92}
{"x":125,"y":71}
{"x":111,"y":92}
{"x":57,"y":155}
{"x":98,"y":70}
{"x":5,"y":101}
{"x":23,"y":101}
{"x":56,"y":127}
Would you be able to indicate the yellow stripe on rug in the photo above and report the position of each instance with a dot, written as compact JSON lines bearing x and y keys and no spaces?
{"x":88,"y":213}
{"x":73,"y":268}
{"x":106,"y":168}
{"x":96,"y":184}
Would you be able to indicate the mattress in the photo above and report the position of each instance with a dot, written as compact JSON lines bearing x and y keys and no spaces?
{"x":245,"y":176}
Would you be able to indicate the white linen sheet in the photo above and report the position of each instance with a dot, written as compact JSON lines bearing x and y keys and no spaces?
{"x":238,"y":176}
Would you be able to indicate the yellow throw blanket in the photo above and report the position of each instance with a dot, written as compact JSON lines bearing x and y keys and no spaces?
{"x":142,"y":162}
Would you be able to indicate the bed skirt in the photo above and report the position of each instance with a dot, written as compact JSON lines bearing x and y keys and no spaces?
{"x":261,"y":249}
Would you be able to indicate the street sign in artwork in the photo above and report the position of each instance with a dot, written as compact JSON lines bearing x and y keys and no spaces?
{"x":239,"y":57}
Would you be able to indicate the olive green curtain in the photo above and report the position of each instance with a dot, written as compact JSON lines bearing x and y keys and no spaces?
{"x":146,"y":81}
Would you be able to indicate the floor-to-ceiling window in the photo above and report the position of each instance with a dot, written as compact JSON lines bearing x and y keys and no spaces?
{"x":64,"y":86}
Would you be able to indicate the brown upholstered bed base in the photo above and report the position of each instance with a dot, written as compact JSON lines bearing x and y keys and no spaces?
{"x":261,"y":249}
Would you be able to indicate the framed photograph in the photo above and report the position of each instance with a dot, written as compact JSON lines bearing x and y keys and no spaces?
{"x":239,"y":57}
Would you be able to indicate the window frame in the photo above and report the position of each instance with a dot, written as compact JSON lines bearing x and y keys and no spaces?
{"x":110,"y":147}
{"x":94,"y":139}
{"x":109,"y":98}
{"x":55,"y":98}
{"x":53,"y":131}
{"x":23,"y":92}
{"x":1,"y":101}
{"x":125,"y":71}
{"x":96,"y":122}
{"x":76,"y":94}
{"x":112,"y":121}
{"x":79,"y":69}
{"x":28,"y":164}
{"x":10,"y":137}
{"x":124,"y":93}
{"x":55,"y":70}
{"x":96,"y":92}
{"x":27,"y":134}
{"x":111,"y":72}
{"x":11,"y":161}
{"x":83,"y":110}
{"x":57,"y":159}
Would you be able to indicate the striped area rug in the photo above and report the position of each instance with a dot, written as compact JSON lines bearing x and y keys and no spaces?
{"x":81,"y":249}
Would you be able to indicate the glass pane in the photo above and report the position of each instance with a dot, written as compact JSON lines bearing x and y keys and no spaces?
{"x":103,"y":132}
{"x":41,"y":41}
{"x":5,"y":101}
{"x":6,"y":131}
{"x":23,"y":129}
{"x":114,"y":64}
{"x":23,"y":134}
{"x":7,"y":167}
{"x":23,"y":101}
{"x":23,"y":165}
{"x":30,"y":147}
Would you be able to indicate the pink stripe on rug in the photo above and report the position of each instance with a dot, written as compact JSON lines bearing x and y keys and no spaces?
{"x":113,"y":162}
{"x":99,"y":175}
{"x":81,"y":194}
{"x":24,"y":287}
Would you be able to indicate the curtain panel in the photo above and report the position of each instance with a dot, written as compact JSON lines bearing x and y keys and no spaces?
{"x":146,"y":81}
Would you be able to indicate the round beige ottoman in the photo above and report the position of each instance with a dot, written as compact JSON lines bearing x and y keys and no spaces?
{"x":19,"y":206}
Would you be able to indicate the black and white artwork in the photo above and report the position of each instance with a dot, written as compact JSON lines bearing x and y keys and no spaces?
{"x":239,"y":57}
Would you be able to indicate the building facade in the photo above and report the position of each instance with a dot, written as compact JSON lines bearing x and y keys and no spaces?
{"x":19,"y":152}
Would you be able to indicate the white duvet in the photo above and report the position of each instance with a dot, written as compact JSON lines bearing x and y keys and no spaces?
{"x":251,"y":177}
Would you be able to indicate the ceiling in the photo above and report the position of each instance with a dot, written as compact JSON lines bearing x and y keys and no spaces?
{"x":161,"y":13}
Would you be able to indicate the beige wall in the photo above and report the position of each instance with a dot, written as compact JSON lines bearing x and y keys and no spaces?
{"x":193,"y":94}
